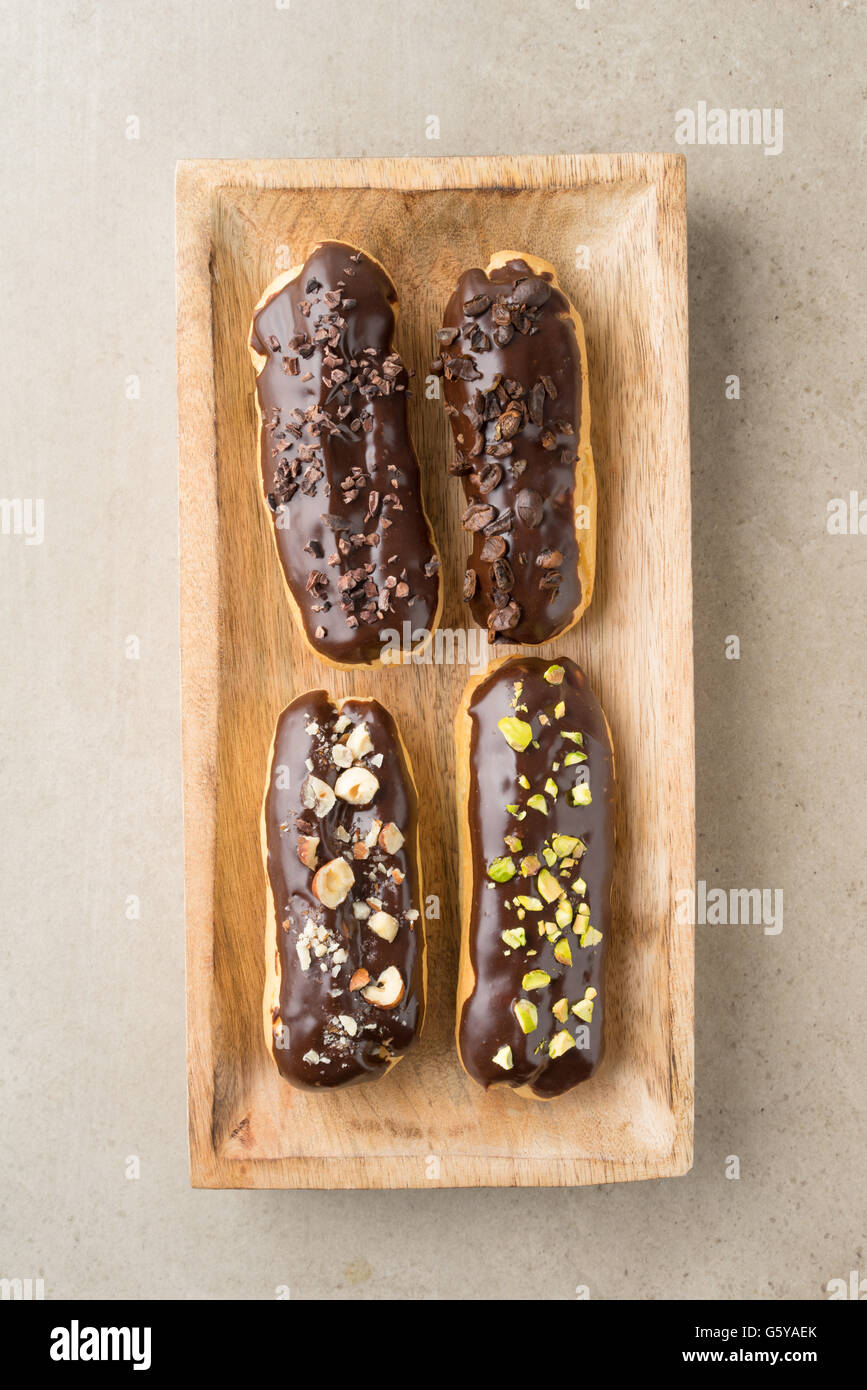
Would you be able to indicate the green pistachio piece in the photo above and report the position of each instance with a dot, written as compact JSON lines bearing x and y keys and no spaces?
{"x":583,"y":908}
{"x":516,"y":732}
{"x":573,"y":757}
{"x":503,"y":1058}
{"x":513,"y":843}
{"x":501,"y":870}
{"x":538,"y":803}
{"x":529,"y":865}
{"x":572,"y":736}
{"x":535,"y":979}
{"x":566,"y":844}
{"x":563,"y":952}
{"x":527,"y":1014}
{"x":524,"y":782}
{"x":549,"y":856}
{"x":584,"y":1008}
{"x":560,"y":1043}
{"x":514,"y":937}
{"x":529,"y":904}
{"x":590,"y":936}
{"x":560,"y":1010}
{"x":581,"y":794}
{"x":580,"y":886}
{"x":563,"y":913}
{"x":551,"y":788}
{"x":548,"y":886}
{"x":554,"y":674}
{"x":516,"y":812}
{"x":551,"y":930}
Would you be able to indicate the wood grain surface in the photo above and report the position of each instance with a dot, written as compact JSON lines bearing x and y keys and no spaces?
{"x":615,"y":228}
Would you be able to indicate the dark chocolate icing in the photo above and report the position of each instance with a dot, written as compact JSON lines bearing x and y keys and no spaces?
{"x":512,"y":374}
{"x":338,"y":467}
{"x":488,"y":1021}
{"x":312,"y":1045}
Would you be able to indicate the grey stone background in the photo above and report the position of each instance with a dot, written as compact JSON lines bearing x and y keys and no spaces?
{"x":92,"y":1010}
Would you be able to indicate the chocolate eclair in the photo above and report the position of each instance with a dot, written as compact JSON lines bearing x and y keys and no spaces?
{"x":345,"y":961}
{"x":535,"y":773}
{"x":514,"y":365}
{"x":339,"y":473}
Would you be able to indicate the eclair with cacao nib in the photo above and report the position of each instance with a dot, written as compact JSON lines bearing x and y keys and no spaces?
{"x":345,"y":949}
{"x":339,"y":473}
{"x":514,"y":365}
{"x":535,"y":785}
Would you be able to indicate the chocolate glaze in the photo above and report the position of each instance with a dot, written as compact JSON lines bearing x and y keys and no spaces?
{"x":370,"y":565}
{"x":541,"y":344}
{"x":312,"y":1000}
{"x":487,"y":1020}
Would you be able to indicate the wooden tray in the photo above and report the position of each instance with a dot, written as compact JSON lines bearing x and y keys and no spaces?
{"x":615,"y":228}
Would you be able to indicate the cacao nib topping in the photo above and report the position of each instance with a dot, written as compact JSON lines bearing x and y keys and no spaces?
{"x":341,"y":374}
{"x":508,"y":351}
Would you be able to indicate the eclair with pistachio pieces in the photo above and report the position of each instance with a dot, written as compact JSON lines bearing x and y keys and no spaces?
{"x":514,"y":364}
{"x":535,"y":783}
{"x":345,"y":949}
{"x":339,"y":473}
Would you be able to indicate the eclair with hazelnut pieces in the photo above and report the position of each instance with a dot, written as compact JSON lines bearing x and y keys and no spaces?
{"x":345,"y":948}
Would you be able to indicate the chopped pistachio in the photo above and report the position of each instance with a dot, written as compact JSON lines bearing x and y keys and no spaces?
{"x":516,"y":732}
{"x":591,"y":936}
{"x":524,"y":782}
{"x":535,"y":979}
{"x":538,"y":803}
{"x":554,"y":674}
{"x":560,"y":1043}
{"x":530,"y":865}
{"x":514,"y":937}
{"x":513,"y":843}
{"x":563,"y":913}
{"x":527,"y":1014}
{"x":565,"y":844}
{"x":572,"y":736}
{"x":516,"y":812}
{"x":573,"y":757}
{"x":549,"y":856}
{"x":581,"y":794}
{"x":559,"y":709}
{"x":563,"y":951}
{"x":580,"y":886}
{"x":503,"y":1058}
{"x":583,"y":908}
{"x":551,"y":788}
{"x":584,"y":1008}
{"x":548,"y":886}
{"x":560,"y":1010}
{"x":529,"y":904}
{"x":502,"y":869}
{"x":551,"y":930}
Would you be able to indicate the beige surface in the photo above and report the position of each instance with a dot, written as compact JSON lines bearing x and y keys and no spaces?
{"x":92,"y":1004}
{"x":429,"y":1124}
